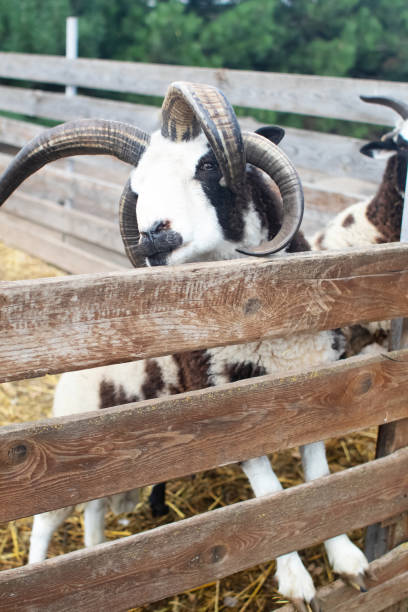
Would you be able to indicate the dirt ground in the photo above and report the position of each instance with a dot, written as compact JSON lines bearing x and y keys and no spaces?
{"x":252,"y":590}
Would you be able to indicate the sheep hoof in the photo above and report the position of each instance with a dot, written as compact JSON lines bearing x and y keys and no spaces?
{"x":303,"y":606}
{"x":356,"y":581}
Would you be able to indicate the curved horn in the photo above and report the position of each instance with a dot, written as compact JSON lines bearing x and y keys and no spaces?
{"x":400,"y":107}
{"x":188,"y":107}
{"x":82,"y":137}
{"x":268,"y":157}
{"x":128,"y":225}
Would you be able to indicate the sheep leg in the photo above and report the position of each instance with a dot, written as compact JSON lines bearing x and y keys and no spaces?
{"x":294,"y":581}
{"x":345,"y":557}
{"x":157,"y":500}
{"x":94,"y":519}
{"x":44,"y":526}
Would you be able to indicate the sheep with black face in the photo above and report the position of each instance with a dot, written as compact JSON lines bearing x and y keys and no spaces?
{"x":200,"y":191}
{"x":376,"y":220}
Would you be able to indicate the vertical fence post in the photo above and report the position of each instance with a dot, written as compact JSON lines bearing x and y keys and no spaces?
{"x":71,"y":52}
{"x":71,"y":47}
{"x":382,"y":537}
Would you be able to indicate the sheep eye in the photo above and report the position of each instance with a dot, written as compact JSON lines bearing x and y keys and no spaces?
{"x":208,"y":166}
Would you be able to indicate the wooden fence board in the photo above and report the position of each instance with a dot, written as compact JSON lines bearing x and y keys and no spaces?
{"x":389,"y":586}
{"x":18,"y":133}
{"x":55,"y":325}
{"x":87,"y":194}
{"x":328,"y":153}
{"x":55,"y":462}
{"x":311,"y":95}
{"x":50,"y":246}
{"x":191,"y":552}
{"x":90,"y":228}
{"x":57,"y":106}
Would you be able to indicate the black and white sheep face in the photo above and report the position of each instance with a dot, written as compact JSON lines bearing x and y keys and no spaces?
{"x":394,"y":143}
{"x":184,"y":211}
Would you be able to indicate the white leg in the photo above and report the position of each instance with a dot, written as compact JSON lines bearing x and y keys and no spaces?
{"x":293,"y":579}
{"x":44,"y":526}
{"x":124,"y":502}
{"x":94,"y":518}
{"x":345,"y":557}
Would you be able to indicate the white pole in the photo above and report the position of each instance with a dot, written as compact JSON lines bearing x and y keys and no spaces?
{"x":71,"y":47}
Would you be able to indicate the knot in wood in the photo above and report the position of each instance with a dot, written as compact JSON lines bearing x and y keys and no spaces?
{"x":217,"y":553}
{"x":17,"y":453}
{"x":252,"y":306}
{"x":365,"y":383}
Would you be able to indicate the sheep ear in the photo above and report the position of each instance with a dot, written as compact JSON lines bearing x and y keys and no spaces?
{"x":274,"y":133}
{"x":379,"y":149}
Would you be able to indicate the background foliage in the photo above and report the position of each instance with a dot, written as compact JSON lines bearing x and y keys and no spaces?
{"x":354,"y":38}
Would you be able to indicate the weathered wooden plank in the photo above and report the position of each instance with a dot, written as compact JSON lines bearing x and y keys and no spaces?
{"x":53,"y":463}
{"x":39,"y":103}
{"x":54,"y":325}
{"x":49,"y":245}
{"x":311,"y":95}
{"x":388,"y":586}
{"x":325,"y":152}
{"x":89,"y":228}
{"x":18,"y":133}
{"x":191,"y":552}
{"x":87,"y":194}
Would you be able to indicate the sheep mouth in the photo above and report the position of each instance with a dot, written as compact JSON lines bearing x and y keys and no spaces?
{"x":161,"y":258}
{"x":157,"y":246}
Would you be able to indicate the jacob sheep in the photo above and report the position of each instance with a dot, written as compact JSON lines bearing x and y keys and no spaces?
{"x":196,"y":194}
{"x":376,"y":220}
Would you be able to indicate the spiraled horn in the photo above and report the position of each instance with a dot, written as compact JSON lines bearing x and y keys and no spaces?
{"x":399,"y":107}
{"x":129,"y":228}
{"x":188,"y":107}
{"x":268,"y":157}
{"x":82,"y":137}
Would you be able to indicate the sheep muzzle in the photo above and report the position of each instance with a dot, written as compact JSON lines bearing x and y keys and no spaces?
{"x":152,"y":243}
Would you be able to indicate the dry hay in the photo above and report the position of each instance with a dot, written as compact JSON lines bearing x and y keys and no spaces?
{"x":250,"y":591}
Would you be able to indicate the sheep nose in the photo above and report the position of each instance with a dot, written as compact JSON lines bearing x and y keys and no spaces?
{"x":154,"y":231}
{"x":159,"y":238}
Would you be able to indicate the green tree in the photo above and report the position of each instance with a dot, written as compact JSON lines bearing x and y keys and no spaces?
{"x":173,"y":35}
{"x":33,"y":26}
{"x":111,"y":30}
{"x":247,"y":36}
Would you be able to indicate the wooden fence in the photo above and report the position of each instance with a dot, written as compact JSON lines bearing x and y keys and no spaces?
{"x":68,"y":216}
{"x":74,"y":203}
{"x":59,"y":324}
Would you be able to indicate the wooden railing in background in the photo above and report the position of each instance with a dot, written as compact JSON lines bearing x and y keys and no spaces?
{"x":333,"y":171}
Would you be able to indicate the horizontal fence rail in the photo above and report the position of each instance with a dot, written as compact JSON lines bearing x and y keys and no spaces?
{"x":59,"y":324}
{"x":321,"y":96}
{"x":67,"y":221}
{"x":91,"y":195}
{"x":55,"y":246}
{"x":57,"y":106}
{"x":60,"y":461}
{"x":324,"y":152}
{"x":167,"y":560}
